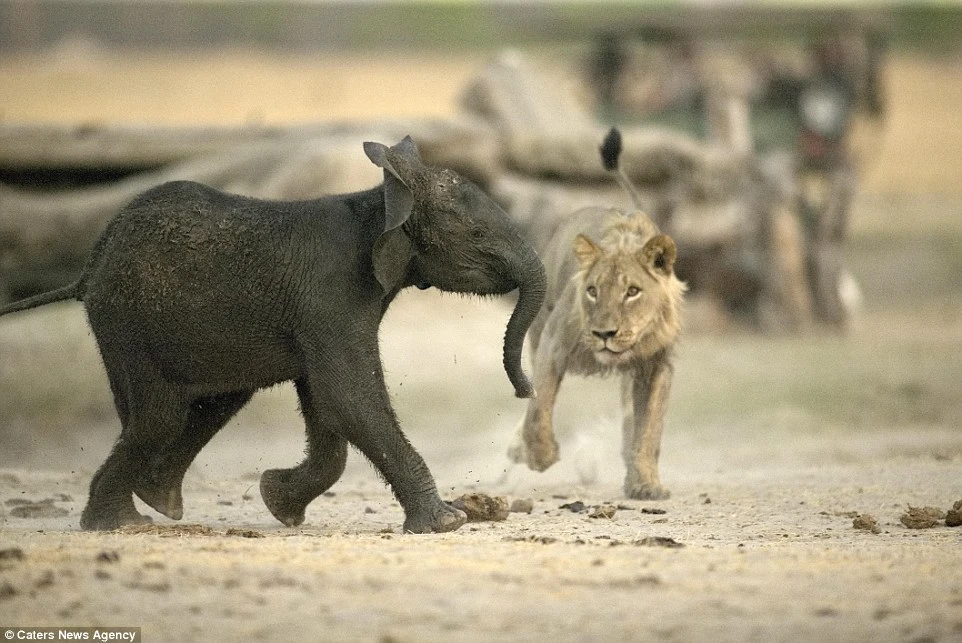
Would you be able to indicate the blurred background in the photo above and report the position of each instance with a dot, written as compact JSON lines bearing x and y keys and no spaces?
{"x":805,"y":157}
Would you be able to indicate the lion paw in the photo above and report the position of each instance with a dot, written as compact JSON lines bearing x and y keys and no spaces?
{"x":541,"y":454}
{"x":646,"y":491}
{"x":537,"y":452}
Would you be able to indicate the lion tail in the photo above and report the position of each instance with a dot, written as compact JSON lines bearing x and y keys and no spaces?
{"x":610,"y":153}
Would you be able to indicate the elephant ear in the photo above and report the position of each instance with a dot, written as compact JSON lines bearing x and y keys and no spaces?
{"x":393,"y":250}
{"x":391,"y":257}
{"x":398,"y":199}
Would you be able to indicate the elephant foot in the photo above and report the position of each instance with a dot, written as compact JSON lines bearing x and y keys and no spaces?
{"x":646,"y":490}
{"x":538,"y":454}
{"x":438,"y":518}
{"x":279,"y":495}
{"x":99,"y":518}
{"x":167,"y":501}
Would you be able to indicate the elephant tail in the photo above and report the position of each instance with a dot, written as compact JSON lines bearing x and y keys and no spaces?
{"x":72,"y":291}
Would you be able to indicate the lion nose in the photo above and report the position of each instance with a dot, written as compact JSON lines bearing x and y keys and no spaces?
{"x":604,"y":334}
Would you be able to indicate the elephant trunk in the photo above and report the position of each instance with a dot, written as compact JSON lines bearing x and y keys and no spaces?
{"x":530,"y":277}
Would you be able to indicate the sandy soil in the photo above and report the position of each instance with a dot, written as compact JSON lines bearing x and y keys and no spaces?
{"x":774,"y":445}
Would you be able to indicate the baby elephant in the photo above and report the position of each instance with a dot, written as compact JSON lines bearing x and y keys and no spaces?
{"x":198,"y":298}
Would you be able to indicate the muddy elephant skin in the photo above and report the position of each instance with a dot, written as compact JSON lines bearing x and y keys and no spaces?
{"x":198,"y":298}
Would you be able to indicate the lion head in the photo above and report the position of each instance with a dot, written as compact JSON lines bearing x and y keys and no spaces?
{"x":628,"y":296}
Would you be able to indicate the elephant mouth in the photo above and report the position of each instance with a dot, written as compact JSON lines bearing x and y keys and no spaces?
{"x":422,"y":285}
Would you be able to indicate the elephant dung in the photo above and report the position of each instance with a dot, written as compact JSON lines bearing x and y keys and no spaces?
{"x":481,"y":507}
{"x":866,"y":522}
{"x":921,"y":517}
{"x":953,"y":518}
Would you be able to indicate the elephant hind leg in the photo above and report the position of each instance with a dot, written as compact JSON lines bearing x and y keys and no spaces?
{"x":287,"y":492}
{"x":152,"y":414}
{"x":160,"y":485}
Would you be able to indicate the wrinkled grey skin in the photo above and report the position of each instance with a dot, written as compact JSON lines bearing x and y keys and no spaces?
{"x":198,"y":298}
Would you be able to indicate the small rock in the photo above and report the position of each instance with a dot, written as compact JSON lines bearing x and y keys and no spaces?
{"x":953,"y":517}
{"x":574,"y":507}
{"x":922,"y":517}
{"x":244,"y":533}
{"x":866,"y":522}
{"x":108,"y":557}
{"x":657,"y":541}
{"x":482,"y":507}
{"x":43,"y":509}
{"x":603,"y":511}
{"x":521,"y":506}
{"x":653,"y":510}
{"x":12,"y":553}
{"x":540,"y":540}
{"x":7,"y":591}
{"x":168,"y":531}
{"x":45,"y":580}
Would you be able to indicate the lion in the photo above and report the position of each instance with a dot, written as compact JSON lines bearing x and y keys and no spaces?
{"x":613,"y":306}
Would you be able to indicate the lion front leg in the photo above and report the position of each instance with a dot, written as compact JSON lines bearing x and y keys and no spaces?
{"x":535,"y":444}
{"x":645,"y":401}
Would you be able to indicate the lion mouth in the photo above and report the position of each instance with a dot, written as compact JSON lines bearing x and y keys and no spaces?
{"x":608,"y":355}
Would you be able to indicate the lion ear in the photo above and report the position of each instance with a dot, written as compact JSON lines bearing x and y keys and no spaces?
{"x":586,"y":250}
{"x":659,"y":254}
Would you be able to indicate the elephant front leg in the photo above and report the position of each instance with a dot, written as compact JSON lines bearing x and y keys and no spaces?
{"x":287,"y":492}
{"x":535,"y":443}
{"x":644,"y":401}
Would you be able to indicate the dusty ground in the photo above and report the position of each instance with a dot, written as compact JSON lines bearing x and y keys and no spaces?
{"x":773,"y":445}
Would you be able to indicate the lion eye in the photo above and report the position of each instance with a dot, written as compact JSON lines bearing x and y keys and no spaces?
{"x":633,"y":291}
{"x":592,"y":292}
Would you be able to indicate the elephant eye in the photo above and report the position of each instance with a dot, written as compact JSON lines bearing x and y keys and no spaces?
{"x":592,"y":292}
{"x":477,"y":234}
{"x":633,"y":291}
